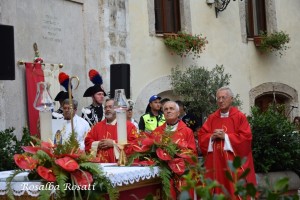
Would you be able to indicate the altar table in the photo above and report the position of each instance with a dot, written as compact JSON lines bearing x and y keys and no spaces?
{"x":131,"y":182}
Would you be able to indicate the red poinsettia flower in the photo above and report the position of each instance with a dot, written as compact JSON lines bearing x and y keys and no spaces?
{"x":31,"y":149}
{"x":48,"y":148}
{"x":177,"y":165}
{"x":73,"y":154}
{"x":148,"y":141}
{"x":47,"y":145}
{"x":181,"y":143}
{"x":148,"y":162}
{"x":142,"y":148}
{"x":25,"y":162}
{"x":162,"y":154}
{"x":187,"y":154}
{"x":46,"y":173}
{"x":83,"y":178}
{"x":67,"y":163}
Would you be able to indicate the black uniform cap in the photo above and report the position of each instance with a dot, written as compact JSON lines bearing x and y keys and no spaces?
{"x":93,"y":90}
{"x":61,"y":96}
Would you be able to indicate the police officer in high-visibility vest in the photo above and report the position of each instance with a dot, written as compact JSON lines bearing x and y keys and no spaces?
{"x":153,"y":116}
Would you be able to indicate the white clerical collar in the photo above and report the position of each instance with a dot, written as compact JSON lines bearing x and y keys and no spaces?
{"x":172,"y":127}
{"x":112,"y":123}
{"x":224,"y":114}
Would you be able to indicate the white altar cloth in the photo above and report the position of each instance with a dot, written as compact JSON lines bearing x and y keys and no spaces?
{"x":119,"y":176}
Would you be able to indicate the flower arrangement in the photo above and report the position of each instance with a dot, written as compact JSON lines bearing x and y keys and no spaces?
{"x":66,"y":170}
{"x":170,"y":154}
{"x":10,"y":145}
{"x":273,"y":42}
{"x":184,"y":44}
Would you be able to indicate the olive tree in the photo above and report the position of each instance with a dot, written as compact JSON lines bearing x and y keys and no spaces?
{"x":197,"y":87}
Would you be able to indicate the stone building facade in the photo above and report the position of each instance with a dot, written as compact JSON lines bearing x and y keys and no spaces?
{"x":94,"y":34}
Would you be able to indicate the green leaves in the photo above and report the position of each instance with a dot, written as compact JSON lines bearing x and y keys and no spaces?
{"x":69,"y":145}
{"x":276,"y":41}
{"x":276,"y":146}
{"x":184,"y":44}
{"x":198,"y":85}
{"x":10,"y":145}
{"x":10,"y":193}
{"x":165,"y":175}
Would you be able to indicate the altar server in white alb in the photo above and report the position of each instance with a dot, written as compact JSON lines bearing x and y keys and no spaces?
{"x":63,"y":129}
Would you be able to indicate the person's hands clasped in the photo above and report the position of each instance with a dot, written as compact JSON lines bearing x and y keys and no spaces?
{"x":218,"y":134}
{"x":105,"y":144}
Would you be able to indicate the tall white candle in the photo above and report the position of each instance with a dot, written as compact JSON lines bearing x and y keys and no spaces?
{"x":121,"y":126}
{"x":46,"y":126}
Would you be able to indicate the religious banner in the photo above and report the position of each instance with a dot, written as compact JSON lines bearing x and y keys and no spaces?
{"x":37,"y":72}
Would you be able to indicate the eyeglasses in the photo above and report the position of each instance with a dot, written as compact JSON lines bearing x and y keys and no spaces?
{"x":222,"y":98}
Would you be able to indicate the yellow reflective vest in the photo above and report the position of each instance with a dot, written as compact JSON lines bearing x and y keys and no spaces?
{"x":151,"y":121}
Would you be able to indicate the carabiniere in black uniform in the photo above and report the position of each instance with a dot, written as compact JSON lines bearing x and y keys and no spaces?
{"x":93,"y":114}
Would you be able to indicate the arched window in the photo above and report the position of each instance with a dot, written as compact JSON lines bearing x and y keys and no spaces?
{"x":263,"y":94}
{"x":265,"y":100}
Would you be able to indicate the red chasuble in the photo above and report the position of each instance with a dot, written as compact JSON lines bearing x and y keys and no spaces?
{"x":106,"y":131}
{"x":239,"y":133}
{"x":181,"y":134}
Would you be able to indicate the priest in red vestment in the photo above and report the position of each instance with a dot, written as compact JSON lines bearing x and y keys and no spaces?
{"x":183,"y":135}
{"x":101,"y":140}
{"x":226,"y":134}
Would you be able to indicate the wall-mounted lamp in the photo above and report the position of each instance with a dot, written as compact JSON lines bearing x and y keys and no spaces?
{"x":210,"y":2}
{"x":220,"y":5}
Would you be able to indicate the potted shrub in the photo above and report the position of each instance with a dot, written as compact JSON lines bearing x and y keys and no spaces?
{"x":10,"y":145}
{"x":276,"y":146}
{"x":184,"y":44}
{"x":274,"y":42}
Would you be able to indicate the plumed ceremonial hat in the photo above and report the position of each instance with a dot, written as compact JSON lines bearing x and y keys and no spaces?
{"x":61,"y":96}
{"x":95,"y":78}
{"x":64,"y":81}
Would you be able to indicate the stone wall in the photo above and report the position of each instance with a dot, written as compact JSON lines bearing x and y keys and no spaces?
{"x":82,"y":35}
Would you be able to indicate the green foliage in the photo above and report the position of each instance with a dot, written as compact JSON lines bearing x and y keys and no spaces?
{"x":9,"y":181}
{"x":276,"y":146}
{"x":171,"y":156}
{"x":276,"y":41}
{"x":69,"y":145}
{"x":103,"y":186}
{"x":184,"y":44}
{"x":10,"y":145}
{"x":197,"y":86}
{"x":47,"y":155}
{"x":165,"y":174}
{"x":278,"y":190}
{"x":244,"y":190}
